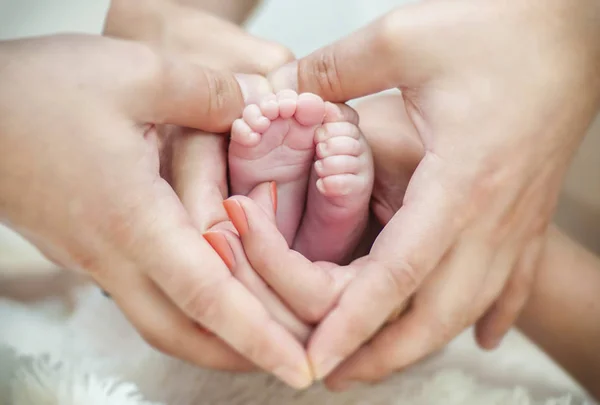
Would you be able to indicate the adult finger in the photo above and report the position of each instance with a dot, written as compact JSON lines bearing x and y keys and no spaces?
{"x":199,"y":178}
{"x":307,"y":289}
{"x":179,"y":92}
{"x":405,"y":252}
{"x":385,"y":54}
{"x":226,"y":243}
{"x":441,"y":308}
{"x":503,"y":314}
{"x":199,"y":175}
{"x":166,"y":328}
{"x":184,"y":266}
{"x":230,"y":249}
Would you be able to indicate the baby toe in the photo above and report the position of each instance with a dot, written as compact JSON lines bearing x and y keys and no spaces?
{"x":270,"y":107}
{"x":310,"y":109}
{"x":244,"y":135}
{"x":335,"y":129}
{"x":255,"y":119}
{"x":338,"y":164}
{"x":340,"y":185}
{"x":287,"y":100}
{"x":341,"y":145}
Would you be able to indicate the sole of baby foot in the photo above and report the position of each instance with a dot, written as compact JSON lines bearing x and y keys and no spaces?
{"x":337,"y":208}
{"x":274,"y":141}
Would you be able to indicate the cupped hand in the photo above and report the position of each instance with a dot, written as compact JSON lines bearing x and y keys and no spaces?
{"x":80,"y":177}
{"x":194,"y":162}
{"x":500,"y":95}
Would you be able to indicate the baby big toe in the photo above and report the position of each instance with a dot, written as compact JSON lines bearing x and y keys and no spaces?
{"x":310,"y":109}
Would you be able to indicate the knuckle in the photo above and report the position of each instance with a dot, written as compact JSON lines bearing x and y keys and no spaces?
{"x":314,"y":311}
{"x":258,"y":348}
{"x":402,"y":277}
{"x":358,"y":326}
{"x":321,"y":70}
{"x":217,"y":89}
{"x":202,"y":303}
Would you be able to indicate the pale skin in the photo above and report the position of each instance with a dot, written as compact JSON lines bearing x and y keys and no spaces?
{"x":476,"y":211}
{"x":106,"y":189}
{"x":567,"y":67}
{"x":561,"y":313}
{"x":322,"y":169}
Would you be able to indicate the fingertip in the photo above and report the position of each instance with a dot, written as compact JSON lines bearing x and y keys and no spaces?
{"x":237,"y":215}
{"x":253,"y":87}
{"x":220,"y":245}
{"x":285,"y":77}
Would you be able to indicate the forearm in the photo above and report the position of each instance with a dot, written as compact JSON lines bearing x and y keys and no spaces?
{"x":563,"y":312}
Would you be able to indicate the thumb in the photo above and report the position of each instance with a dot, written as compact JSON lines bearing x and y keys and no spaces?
{"x":385,"y":54}
{"x":181,"y":93}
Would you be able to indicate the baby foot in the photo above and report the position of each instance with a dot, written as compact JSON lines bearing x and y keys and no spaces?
{"x":337,"y":208}
{"x":274,"y":141}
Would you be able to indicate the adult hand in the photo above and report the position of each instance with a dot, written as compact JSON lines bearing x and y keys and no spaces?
{"x":194,"y":162}
{"x":202,"y":37}
{"x":80,"y":178}
{"x":501,"y":94}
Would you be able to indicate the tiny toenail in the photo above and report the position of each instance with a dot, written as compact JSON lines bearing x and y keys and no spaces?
{"x":321,"y":186}
{"x":320,"y":134}
{"x":322,"y":148}
{"x":319,"y":165}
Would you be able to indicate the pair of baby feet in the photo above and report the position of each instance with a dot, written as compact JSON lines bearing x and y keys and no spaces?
{"x":319,"y":159}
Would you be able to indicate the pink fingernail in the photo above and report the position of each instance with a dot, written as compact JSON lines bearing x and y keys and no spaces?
{"x":220,"y":245}
{"x":274,"y":195}
{"x":237,"y":216}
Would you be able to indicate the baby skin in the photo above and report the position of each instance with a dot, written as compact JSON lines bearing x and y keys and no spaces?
{"x":321,"y":164}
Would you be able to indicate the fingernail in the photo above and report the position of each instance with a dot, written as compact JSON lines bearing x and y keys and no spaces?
{"x":286,"y":77}
{"x":219,"y":243}
{"x":296,"y":378}
{"x":236,"y":215}
{"x":321,"y":369}
{"x":274,"y":195}
{"x":319,"y":166}
{"x":253,"y":87}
